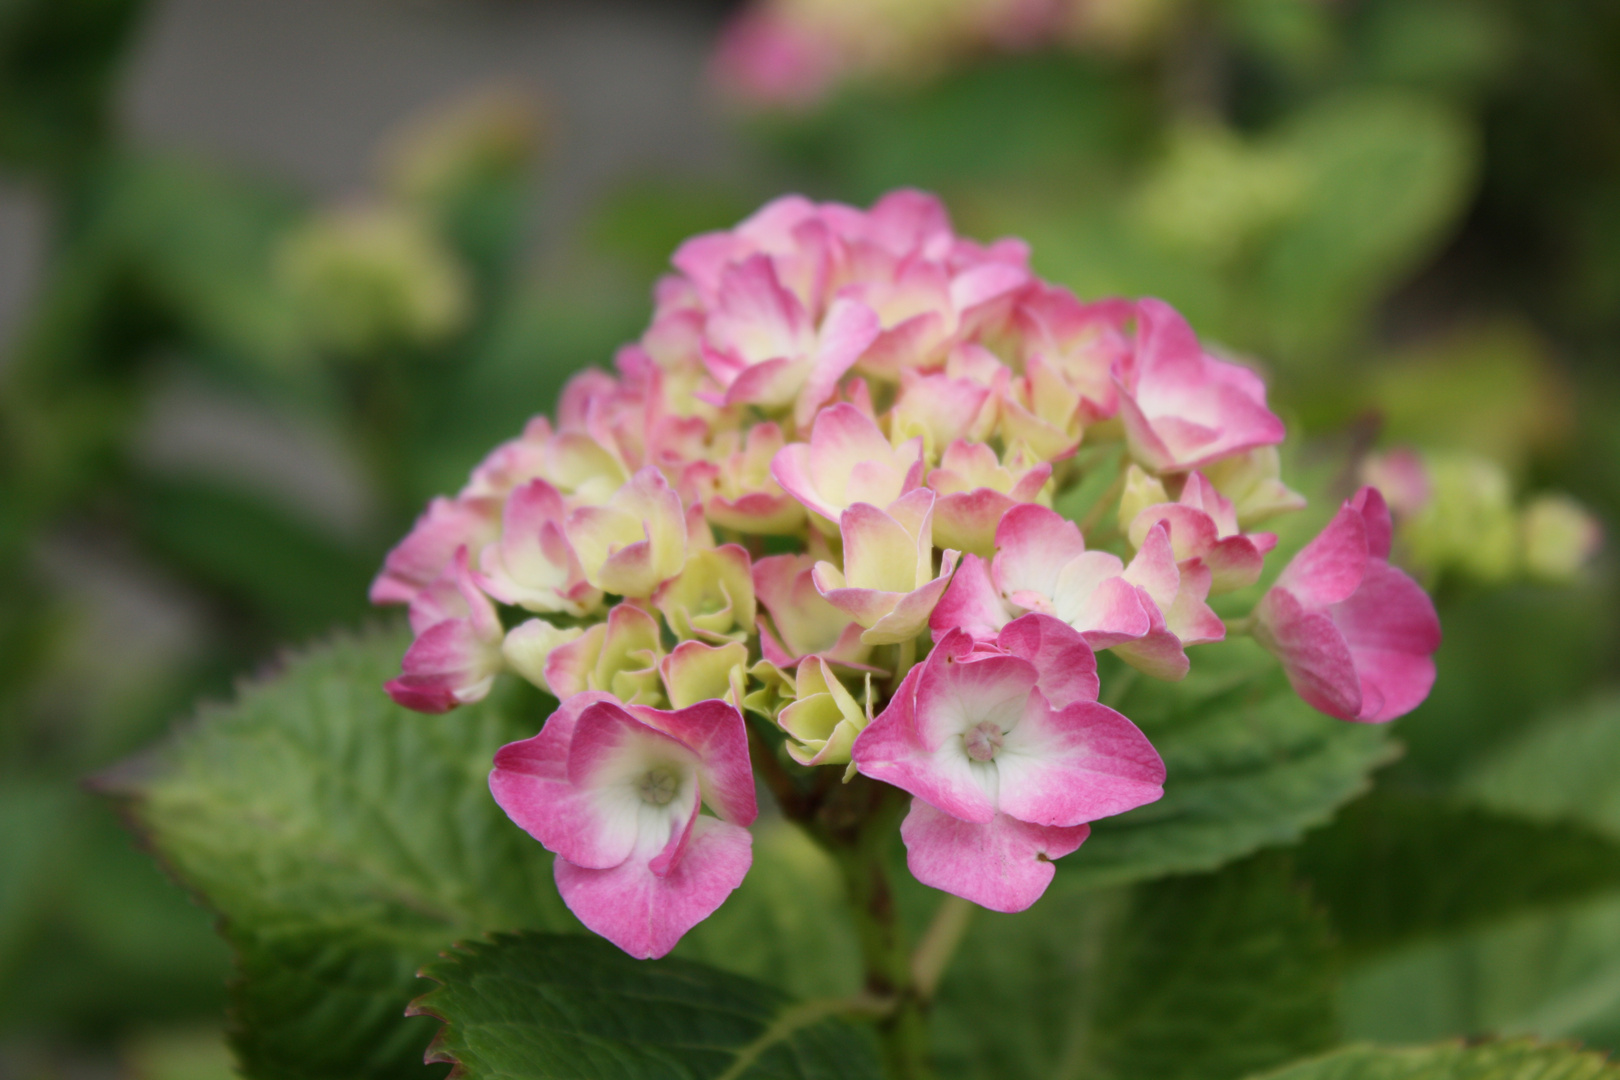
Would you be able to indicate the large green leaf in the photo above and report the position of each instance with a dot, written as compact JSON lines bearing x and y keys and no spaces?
{"x":1492,"y":1061}
{"x":343,"y":842}
{"x":1249,"y":766}
{"x":1399,"y":866}
{"x":1208,"y":976}
{"x":1390,"y":174}
{"x":549,"y":1007}
{"x":1552,"y":974}
{"x":1549,"y":972}
{"x":1562,"y":768}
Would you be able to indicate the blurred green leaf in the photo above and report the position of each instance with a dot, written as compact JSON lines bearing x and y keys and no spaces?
{"x":1399,"y":866}
{"x":1493,"y":1061}
{"x":1551,"y":974}
{"x":1250,"y":766}
{"x":344,"y":842}
{"x":545,"y":1006}
{"x":1509,"y":655}
{"x":1037,"y":120}
{"x":1389,"y":175}
{"x":642,"y":222}
{"x":59,"y":60}
{"x":1210,"y":977}
{"x":1563,"y":768}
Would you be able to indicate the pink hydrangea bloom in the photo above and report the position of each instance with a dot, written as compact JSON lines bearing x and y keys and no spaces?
{"x":615,"y":791}
{"x":457,"y":651}
{"x":1004,"y":779}
{"x":847,"y":461}
{"x":1183,"y":408}
{"x":1355,"y":635}
{"x":764,"y":505}
{"x":1203,"y":525}
{"x":1148,"y":611}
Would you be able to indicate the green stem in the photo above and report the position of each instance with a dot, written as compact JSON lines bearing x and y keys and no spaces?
{"x":862,"y":854}
{"x":938,"y":944}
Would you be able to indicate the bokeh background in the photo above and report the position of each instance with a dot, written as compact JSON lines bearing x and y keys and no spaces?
{"x":273,"y":272}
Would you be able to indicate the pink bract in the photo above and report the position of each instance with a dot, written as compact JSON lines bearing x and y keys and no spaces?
{"x":1183,"y":408}
{"x":1355,"y":635}
{"x":972,"y":736}
{"x":615,"y":792}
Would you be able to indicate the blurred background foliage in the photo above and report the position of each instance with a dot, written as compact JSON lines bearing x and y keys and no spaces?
{"x":1406,"y":211}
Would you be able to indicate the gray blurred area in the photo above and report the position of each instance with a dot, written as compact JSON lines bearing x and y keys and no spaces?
{"x":306,"y":90}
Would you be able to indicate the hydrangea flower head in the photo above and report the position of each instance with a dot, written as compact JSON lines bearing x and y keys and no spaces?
{"x":818,"y":496}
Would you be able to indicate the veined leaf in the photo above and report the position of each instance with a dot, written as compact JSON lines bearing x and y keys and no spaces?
{"x":545,"y":1007}
{"x":1208,"y":976}
{"x":1249,"y":766}
{"x":1399,"y":866}
{"x":1518,"y":1060}
{"x":344,"y":842}
{"x":1562,"y":768}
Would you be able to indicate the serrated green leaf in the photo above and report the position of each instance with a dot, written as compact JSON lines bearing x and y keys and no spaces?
{"x":344,"y":842}
{"x":1208,"y":976}
{"x":1492,"y":1061}
{"x":1249,"y":766}
{"x":1562,"y":768}
{"x":1553,"y":975}
{"x":549,"y":1007}
{"x":1398,"y":866}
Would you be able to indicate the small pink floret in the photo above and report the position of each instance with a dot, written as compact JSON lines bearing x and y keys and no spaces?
{"x":1355,"y":635}
{"x":1003,"y":779}
{"x":615,"y":792}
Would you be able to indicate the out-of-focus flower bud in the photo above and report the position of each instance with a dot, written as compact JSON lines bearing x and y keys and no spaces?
{"x":1560,"y":537}
{"x":1468,"y":524}
{"x":1214,"y":193}
{"x":494,"y":131}
{"x":369,"y":278}
{"x":1402,"y":478}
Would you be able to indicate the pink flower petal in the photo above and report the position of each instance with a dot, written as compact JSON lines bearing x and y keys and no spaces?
{"x":1003,"y":864}
{"x":646,"y":913}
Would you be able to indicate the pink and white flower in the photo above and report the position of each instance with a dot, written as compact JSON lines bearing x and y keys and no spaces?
{"x":1203,"y":525}
{"x":532,"y":565}
{"x":1003,"y":780}
{"x":888,"y":583}
{"x":1355,"y":635}
{"x":427,"y":550}
{"x":738,"y":491}
{"x":615,"y":792}
{"x":765,"y":348}
{"x":635,"y":541}
{"x":847,"y":461}
{"x":457,"y":651}
{"x":1182,"y":408}
{"x":1147,"y":611}
{"x":803,"y":621}
{"x":976,"y":491}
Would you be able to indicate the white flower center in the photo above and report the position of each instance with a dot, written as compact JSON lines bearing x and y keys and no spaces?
{"x":983,"y":740}
{"x":658,"y":785}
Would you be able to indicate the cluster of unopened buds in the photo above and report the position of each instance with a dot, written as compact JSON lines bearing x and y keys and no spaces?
{"x":813,"y":509}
